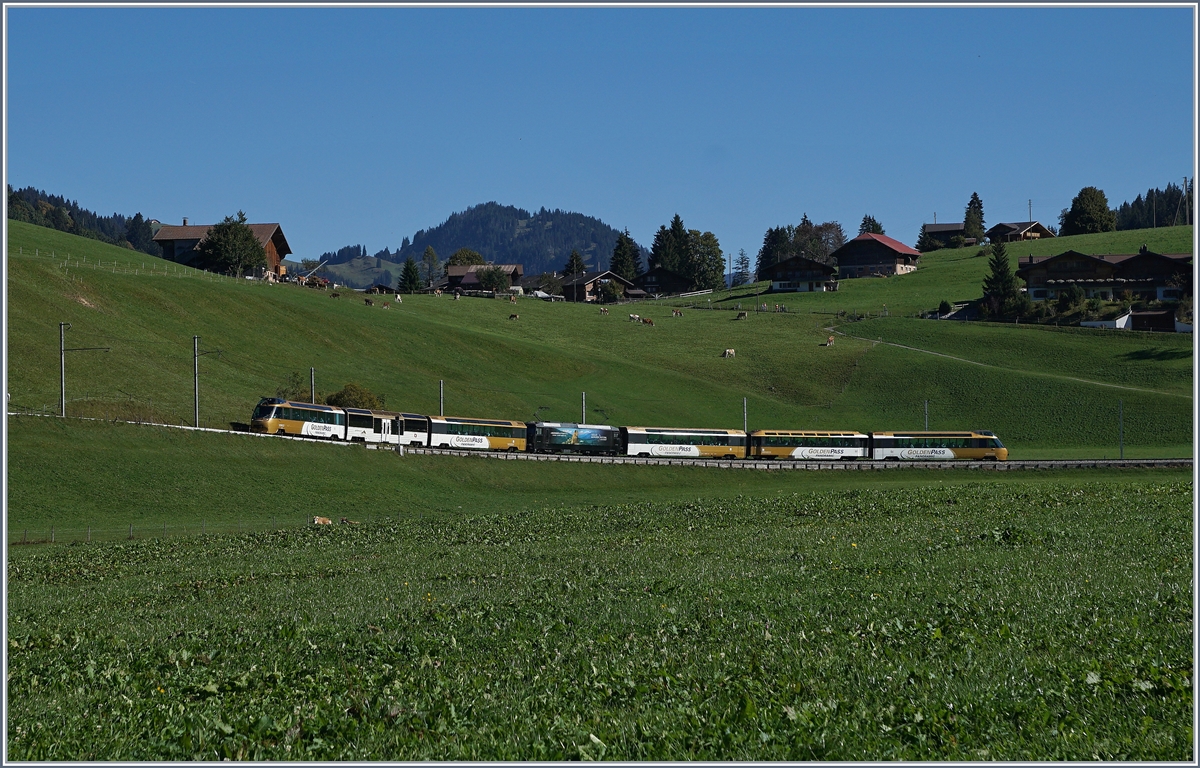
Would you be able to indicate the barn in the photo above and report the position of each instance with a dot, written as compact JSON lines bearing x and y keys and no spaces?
{"x":181,"y":244}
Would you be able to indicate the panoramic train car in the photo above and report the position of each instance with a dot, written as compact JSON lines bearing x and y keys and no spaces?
{"x":684,"y":443}
{"x":386,"y":427}
{"x":476,"y":434}
{"x":798,"y":444}
{"x":935,"y":446}
{"x":556,"y":437}
{"x":285,"y":417}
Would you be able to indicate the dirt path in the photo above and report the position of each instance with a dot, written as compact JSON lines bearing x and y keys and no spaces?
{"x":833,"y":329}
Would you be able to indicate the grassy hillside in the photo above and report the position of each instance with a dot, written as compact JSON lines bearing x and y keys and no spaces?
{"x":670,"y":374}
{"x":956,"y":274}
{"x":956,"y":622}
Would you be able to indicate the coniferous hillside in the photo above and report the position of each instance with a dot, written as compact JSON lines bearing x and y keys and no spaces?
{"x":503,"y":234}
{"x":36,"y":206}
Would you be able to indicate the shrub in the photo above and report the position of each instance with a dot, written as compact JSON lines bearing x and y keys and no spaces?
{"x":355,"y":396}
{"x":945,"y":308}
{"x":1069,"y":298}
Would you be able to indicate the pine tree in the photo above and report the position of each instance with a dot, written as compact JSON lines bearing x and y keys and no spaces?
{"x":741,"y":268}
{"x":973,"y":219}
{"x":870,"y":226}
{"x":410,"y":278}
{"x":429,"y":265}
{"x":1000,"y":285}
{"x":626,"y":260}
{"x":927,"y":242}
{"x":575,"y":265}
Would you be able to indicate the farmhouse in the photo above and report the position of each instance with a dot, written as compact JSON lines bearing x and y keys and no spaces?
{"x":944,"y":233}
{"x":661,"y":280}
{"x":1011,"y":232}
{"x":800,"y":274}
{"x":464,"y":275}
{"x":870,"y":255}
{"x":1144,"y":275}
{"x":586,"y":286}
{"x":181,"y":244}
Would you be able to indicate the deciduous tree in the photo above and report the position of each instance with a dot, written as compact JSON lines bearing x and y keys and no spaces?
{"x":492,"y":279}
{"x":464,"y":257}
{"x":1089,"y":213}
{"x":232,"y":247}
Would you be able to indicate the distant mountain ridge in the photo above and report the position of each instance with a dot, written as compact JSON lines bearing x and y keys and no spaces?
{"x":505,"y":234}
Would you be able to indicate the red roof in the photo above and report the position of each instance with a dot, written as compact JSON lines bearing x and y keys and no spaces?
{"x":895,"y":245}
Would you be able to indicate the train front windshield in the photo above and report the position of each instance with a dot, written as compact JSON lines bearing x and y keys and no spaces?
{"x":263,"y":411}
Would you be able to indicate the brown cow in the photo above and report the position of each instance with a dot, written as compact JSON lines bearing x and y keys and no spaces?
{"x":829,"y":342}
{"x":512,"y":299}
{"x":387,"y":305}
{"x":647,"y":321}
{"x":676,"y":313}
{"x":322,"y":521}
{"x":604,"y":310}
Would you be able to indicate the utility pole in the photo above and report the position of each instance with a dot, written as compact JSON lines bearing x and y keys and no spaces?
{"x":1030,"y":209}
{"x":926,"y":415}
{"x":745,"y":423}
{"x":1121,"y":427}
{"x":62,"y":365}
{"x":312,"y":385}
{"x":584,"y":419}
{"x":441,"y":397}
{"x":196,"y":354}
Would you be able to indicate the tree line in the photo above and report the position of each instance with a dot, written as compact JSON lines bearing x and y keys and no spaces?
{"x":35,"y":206}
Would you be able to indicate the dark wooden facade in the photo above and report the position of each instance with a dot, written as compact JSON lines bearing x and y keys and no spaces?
{"x":869,"y":255}
{"x":661,"y":281}
{"x":1145,"y":275}
{"x":586,"y":286}
{"x":464,"y":276}
{"x":181,"y":244}
{"x":800,"y":274}
{"x":1011,"y":232}
{"x":944,"y":233}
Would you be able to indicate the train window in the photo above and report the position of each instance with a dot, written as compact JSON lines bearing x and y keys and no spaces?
{"x":263,"y":412}
{"x":360,"y":421}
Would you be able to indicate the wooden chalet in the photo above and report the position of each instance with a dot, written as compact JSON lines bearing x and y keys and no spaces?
{"x":463,"y":276}
{"x":800,"y":274}
{"x":1011,"y":232}
{"x":181,"y":244}
{"x":662,"y":281}
{"x":586,"y":286}
{"x":1145,"y":275}
{"x":944,"y":233}
{"x":870,"y":255}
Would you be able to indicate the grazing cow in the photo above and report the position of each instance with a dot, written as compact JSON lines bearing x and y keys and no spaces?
{"x":335,"y":295}
{"x":647,"y":321}
{"x":829,"y":342}
{"x":729,"y":353}
{"x":604,"y":311}
{"x":369,"y":302}
{"x":742,"y":316}
{"x":387,"y":305}
{"x":514,"y":317}
{"x":512,"y":299}
{"x":634,"y":318}
{"x":676,"y":313}
{"x":322,"y":521}
{"x":437,"y":292}
{"x":349,"y":522}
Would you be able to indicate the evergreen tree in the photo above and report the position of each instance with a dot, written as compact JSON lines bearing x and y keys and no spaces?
{"x":776,"y":247}
{"x":410,"y":277}
{"x":927,"y":242}
{"x":232,"y":247}
{"x":1089,"y":213}
{"x":741,"y":268}
{"x":575,"y":265}
{"x":626,"y":259}
{"x":973,"y":219}
{"x":671,"y":245}
{"x":999,"y":285}
{"x":871,"y":226}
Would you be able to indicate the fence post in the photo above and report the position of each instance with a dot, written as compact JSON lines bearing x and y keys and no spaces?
{"x":89,"y":533}
{"x":131,"y":531}
{"x":25,"y":537}
{"x":52,"y":534}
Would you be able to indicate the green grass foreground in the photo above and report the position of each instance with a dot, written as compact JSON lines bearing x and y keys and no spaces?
{"x":950,"y":621}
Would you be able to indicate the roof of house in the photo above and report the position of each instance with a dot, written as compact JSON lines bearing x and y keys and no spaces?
{"x":462,"y":270}
{"x":938,"y":228}
{"x":1023,"y":265}
{"x":819,"y":265}
{"x":264,"y":233}
{"x":888,"y":242}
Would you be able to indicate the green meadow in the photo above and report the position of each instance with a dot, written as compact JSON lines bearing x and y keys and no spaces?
{"x":1052,"y":401}
{"x":484,"y":609}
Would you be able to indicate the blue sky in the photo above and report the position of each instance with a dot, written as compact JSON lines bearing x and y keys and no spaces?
{"x":364,"y":125}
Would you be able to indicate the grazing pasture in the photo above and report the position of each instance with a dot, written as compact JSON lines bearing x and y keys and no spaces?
{"x":943,"y":621}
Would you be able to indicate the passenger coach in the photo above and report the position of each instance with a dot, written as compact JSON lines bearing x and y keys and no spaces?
{"x":934,"y":446}
{"x":781,"y":444}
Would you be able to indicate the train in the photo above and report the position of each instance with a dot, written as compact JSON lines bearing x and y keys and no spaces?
{"x":273,"y":416}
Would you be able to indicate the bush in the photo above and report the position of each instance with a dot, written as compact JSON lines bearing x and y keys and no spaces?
{"x":355,"y":396}
{"x":1094,"y":304}
{"x":945,"y":308}
{"x":611,"y":292}
{"x":984,"y":251}
{"x":958,"y":241}
{"x":1069,"y":298}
